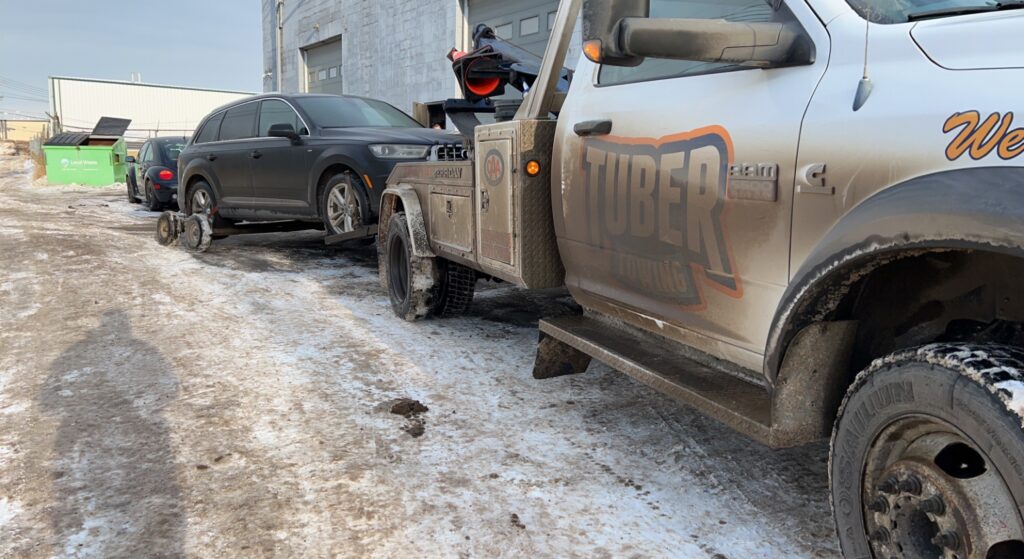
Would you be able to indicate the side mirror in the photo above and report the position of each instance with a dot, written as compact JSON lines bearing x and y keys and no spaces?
{"x":284,"y":130}
{"x":129,"y":159}
{"x":601,"y":33}
{"x":621,"y":33}
{"x":763,"y":45}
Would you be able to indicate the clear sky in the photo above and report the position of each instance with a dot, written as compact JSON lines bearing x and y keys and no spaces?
{"x":199,"y":43}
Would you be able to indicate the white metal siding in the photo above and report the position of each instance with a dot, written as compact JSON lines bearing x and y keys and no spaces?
{"x":80,"y":103}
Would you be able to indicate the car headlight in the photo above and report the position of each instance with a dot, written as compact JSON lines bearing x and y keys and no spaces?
{"x":399,"y":151}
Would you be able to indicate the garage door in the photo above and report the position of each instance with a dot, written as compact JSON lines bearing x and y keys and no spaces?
{"x":323,"y":68}
{"x":525,"y":23}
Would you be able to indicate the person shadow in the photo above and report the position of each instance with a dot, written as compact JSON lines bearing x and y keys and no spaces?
{"x":115,"y":486}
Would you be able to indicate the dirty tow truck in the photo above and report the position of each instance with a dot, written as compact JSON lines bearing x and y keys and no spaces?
{"x":802,"y":217}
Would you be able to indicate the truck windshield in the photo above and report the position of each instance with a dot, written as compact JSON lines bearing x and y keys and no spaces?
{"x":902,"y":11}
{"x":349,"y":112}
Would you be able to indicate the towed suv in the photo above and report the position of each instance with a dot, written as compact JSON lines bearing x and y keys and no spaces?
{"x":314,"y":158}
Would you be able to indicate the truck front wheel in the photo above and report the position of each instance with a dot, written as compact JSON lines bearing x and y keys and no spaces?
{"x":927,"y":455}
{"x":410,"y":279}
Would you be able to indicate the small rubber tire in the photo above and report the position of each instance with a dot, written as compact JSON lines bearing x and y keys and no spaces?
{"x":196,"y":234}
{"x":453,"y":295}
{"x":958,"y":386}
{"x":152,"y":203}
{"x":355,"y":193}
{"x":214,"y":214}
{"x":168,"y":229}
{"x":410,"y":279}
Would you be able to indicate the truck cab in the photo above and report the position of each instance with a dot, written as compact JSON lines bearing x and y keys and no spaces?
{"x":802,"y":217}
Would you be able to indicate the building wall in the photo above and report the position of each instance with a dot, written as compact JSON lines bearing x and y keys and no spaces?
{"x":393,"y":50}
{"x":79,"y":104}
{"x":23,"y":130}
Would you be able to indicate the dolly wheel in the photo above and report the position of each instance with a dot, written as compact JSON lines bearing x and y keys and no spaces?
{"x":196,"y":234}
{"x":168,"y":229}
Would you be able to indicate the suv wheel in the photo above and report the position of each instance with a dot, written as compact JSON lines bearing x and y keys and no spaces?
{"x":202,"y":201}
{"x":927,"y":455}
{"x":341,"y":205}
{"x":152,"y":203}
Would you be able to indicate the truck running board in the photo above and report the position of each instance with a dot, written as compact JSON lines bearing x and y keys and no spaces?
{"x":741,"y":405}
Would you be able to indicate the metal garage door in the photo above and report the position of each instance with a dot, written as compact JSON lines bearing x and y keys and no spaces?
{"x":526,"y":23}
{"x":323,"y":68}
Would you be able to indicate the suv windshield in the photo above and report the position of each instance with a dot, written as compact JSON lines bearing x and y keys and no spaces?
{"x":171,"y":150}
{"x":349,"y":112}
{"x":902,"y":11}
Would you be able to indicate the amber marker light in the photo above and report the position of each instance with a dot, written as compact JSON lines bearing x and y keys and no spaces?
{"x":533,"y":168}
{"x":592,"y":49}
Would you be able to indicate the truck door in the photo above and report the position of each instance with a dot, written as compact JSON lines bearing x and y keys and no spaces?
{"x":678,"y":221}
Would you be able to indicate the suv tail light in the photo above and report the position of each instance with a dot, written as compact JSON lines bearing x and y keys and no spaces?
{"x":165,"y":175}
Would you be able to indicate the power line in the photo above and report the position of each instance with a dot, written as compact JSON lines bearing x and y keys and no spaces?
{"x":21,"y":89}
{"x":20,"y":98}
{"x":22,"y":85}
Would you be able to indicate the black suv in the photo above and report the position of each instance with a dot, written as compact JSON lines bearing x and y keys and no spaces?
{"x":314,"y":158}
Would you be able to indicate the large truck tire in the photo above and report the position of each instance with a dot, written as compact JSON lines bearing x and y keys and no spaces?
{"x":410,"y":279}
{"x":927,"y":455}
{"x":454,"y":294}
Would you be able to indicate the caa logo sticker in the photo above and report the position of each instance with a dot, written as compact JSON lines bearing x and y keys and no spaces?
{"x":659,"y":206}
{"x":980,"y":138}
{"x":494,"y":167}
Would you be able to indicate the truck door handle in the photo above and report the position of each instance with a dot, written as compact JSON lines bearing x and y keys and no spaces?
{"x":593,"y":128}
{"x":211,"y":157}
{"x":255,"y":154}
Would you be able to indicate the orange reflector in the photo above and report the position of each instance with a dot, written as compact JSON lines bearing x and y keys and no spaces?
{"x":592,"y":49}
{"x":533,"y":168}
{"x":368,"y":181}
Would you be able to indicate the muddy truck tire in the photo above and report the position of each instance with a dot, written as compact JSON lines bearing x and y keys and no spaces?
{"x":927,"y":455}
{"x":410,"y":279}
{"x":454,"y":294}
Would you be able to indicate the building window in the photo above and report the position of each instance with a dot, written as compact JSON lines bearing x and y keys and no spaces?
{"x":529,"y":26}
{"x":333,"y":72}
{"x":503,"y":31}
{"x":321,"y":75}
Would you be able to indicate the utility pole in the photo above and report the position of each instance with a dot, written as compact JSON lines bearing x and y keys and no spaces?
{"x":280,"y":45}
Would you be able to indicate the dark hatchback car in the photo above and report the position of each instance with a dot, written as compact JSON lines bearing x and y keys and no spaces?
{"x":153,"y":175}
{"x":315,"y":158}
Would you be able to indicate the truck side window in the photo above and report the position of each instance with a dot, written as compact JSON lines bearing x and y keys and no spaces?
{"x":730,"y":10}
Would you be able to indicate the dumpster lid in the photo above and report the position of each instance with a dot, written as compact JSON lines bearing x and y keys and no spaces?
{"x":68,"y":139}
{"x":111,"y":126}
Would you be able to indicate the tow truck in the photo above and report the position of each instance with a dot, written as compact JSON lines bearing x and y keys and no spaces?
{"x":801,"y":217}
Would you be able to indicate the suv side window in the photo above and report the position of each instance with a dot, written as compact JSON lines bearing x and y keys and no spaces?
{"x":239,"y":122}
{"x":273,"y":111}
{"x":210,"y":130}
{"x":730,"y":10}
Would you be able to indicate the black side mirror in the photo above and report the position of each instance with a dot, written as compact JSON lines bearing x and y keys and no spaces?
{"x":284,"y":130}
{"x":129,"y":159}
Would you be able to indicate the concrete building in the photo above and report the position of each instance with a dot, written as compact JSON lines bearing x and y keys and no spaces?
{"x":392,"y":50}
{"x":78,"y":103}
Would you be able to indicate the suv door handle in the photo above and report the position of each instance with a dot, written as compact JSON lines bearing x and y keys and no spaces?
{"x":211,"y":157}
{"x":255,"y":154}
{"x":593,"y":128}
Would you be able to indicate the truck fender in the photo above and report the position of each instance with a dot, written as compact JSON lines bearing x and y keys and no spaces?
{"x":405,"y":197}
{"x":964,"y":209}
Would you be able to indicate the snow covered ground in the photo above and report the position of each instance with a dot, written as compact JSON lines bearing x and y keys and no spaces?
{"x":236,"y":404}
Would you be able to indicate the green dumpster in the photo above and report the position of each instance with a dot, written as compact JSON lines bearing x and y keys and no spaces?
{"x":95,"y":159}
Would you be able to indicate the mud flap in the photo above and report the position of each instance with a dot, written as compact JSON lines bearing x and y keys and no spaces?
{"x":557,"y":359}
{"x":197,"y":233}
{"x":168,"y":229}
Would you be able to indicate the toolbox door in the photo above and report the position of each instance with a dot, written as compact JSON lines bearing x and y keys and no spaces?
{"x":494,"y":192}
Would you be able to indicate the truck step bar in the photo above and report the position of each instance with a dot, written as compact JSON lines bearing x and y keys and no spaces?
{"x":741,"y":405}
